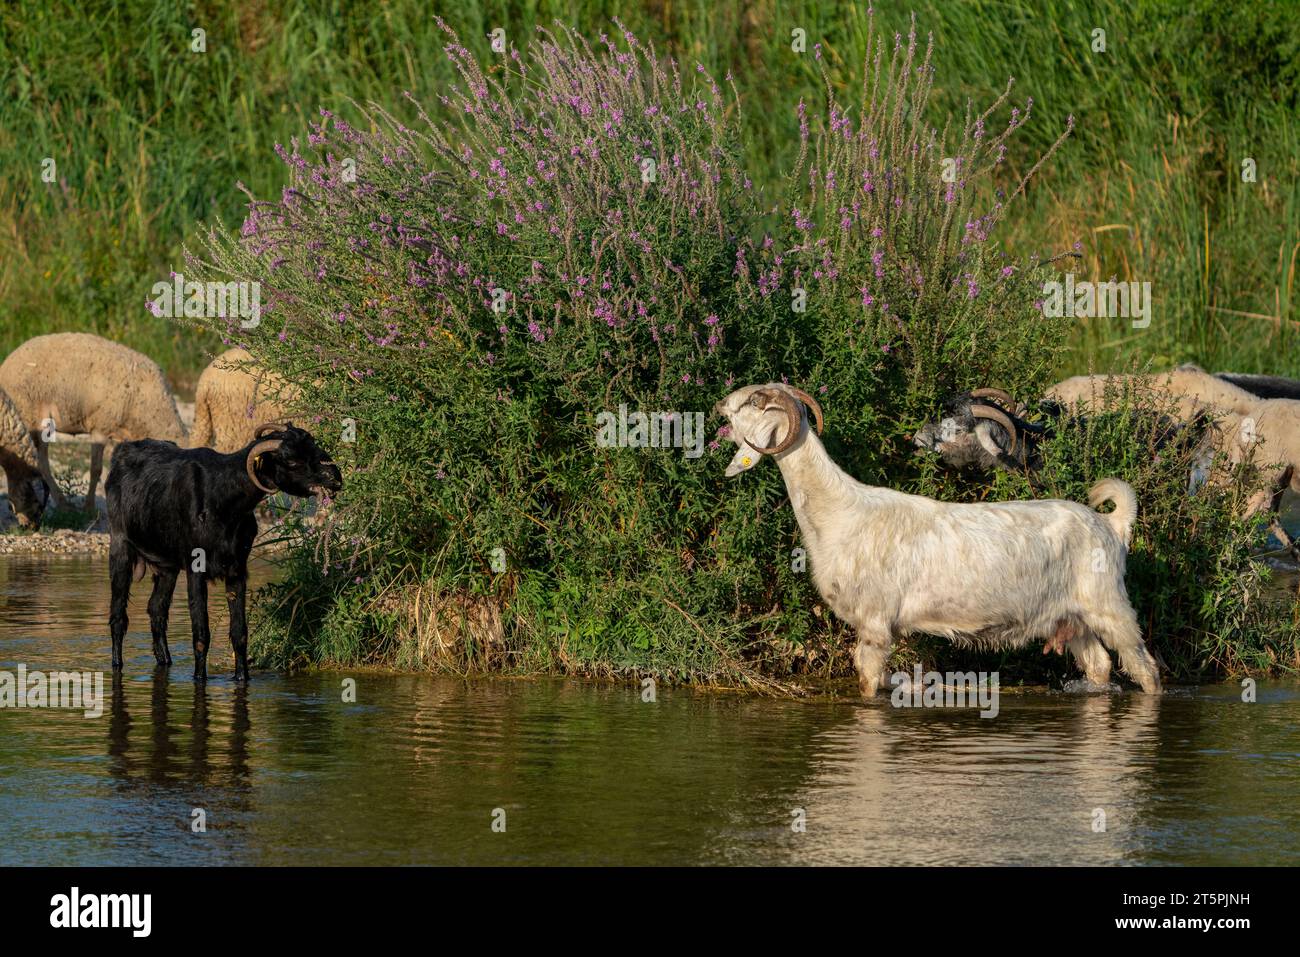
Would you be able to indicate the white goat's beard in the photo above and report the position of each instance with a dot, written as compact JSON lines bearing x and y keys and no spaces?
{"x":744,"y":459}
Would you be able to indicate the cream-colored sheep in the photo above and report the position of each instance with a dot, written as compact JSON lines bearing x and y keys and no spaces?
{"x":21,"y":466}
{"x":233,"y":398}
{"x":79,"y":384}
{"x":1269,"y":435}
{"x":1267,"y":431}
{"x":1192,"y":389}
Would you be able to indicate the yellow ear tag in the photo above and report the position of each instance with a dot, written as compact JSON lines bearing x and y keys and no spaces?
{"x":747,"y":461}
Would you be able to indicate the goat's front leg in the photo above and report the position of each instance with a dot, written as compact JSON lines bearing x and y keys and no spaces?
{"x":121,"y":565}
{"x":197,"y":583}
{"x":871,"y":655}
{"x":236,"y":593}
{"x":160,"y":604}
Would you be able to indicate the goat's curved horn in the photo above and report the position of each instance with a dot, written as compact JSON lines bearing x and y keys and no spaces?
{"x":786,"y":402}
{"x":812,"y":403}
{"x":1001,"y":396}
{"x":994,"y":414}
{"x":268,"y":427}
{"x":250,"y":463}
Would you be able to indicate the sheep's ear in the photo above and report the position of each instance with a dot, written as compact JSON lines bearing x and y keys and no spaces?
{"x":744,"y":460}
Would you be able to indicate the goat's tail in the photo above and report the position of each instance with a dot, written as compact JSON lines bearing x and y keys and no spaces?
{"x":1126,"y":505}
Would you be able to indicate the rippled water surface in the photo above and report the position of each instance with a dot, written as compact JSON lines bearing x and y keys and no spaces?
{"x":287,"y":773}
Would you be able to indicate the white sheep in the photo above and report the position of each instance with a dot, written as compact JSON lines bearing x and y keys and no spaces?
{"x":1265,"y":430}
{"x":1192,"y":389}
{"x":27,"y":491}
{"x":79,"y":384}
{"x":233,"y":397}
{"x":994,"y":574}
{"x":1268,"y":435}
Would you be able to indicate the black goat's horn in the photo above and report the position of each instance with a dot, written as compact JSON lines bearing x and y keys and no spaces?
{"x":250,"y":463}
{"x":999,"y":394}
{"x":991,"y":412}
{"x":268,"y":427}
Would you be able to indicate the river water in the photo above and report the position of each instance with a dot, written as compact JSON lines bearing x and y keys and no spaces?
{"x":420,"y":768}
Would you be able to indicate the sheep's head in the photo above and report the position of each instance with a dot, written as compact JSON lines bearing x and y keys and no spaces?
{"x":979,"y":433}
{"x":765,"y":420}
{"x":27,"y":498}
{"x":284,"y":458}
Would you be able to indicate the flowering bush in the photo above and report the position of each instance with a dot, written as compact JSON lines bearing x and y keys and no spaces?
{"x":571,"y":230}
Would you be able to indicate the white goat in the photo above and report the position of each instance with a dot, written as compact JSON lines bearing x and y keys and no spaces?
{"x":997,"y":574}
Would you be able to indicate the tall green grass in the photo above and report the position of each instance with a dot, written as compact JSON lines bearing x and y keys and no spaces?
{"x":150,"y":139}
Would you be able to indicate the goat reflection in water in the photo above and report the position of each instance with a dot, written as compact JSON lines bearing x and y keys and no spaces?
{"x":178,"y":755}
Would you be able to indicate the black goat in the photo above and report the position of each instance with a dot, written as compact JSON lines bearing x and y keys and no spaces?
{"x":1263,"y":386}
{"x":983,"y":430}
{"x":981,"y":434}
{"x":171,"y":508}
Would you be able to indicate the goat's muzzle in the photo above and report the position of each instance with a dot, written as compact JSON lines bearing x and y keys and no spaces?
{"x":331,"y":479}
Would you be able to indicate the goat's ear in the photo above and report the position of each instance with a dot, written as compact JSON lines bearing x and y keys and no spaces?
{"x":992,"y":438}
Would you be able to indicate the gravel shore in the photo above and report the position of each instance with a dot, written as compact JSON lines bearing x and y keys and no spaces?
{"x":63,"y":541}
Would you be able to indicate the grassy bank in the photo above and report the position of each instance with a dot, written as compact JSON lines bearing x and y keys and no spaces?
{"x":482,"y":526}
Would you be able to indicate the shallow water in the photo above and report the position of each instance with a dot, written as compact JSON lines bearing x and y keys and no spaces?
{"x":287,"y":773}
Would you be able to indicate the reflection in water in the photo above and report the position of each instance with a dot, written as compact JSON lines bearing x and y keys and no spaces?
{"x":164,"y":761}
{"x":286,"y":772}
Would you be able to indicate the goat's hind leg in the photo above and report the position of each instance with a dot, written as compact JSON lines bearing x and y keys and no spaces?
{"x":236,"y":600}
{"x":160,"y":603}
{"x":197,"y":586}
{"x":1091,"y":656}
{"x":870,"y":656}
{"x":1120,"y":633}
{"x":121,"y":566}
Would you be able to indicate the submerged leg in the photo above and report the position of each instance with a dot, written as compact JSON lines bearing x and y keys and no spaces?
{"x":121,"y":563}
{"x":1122,"y":635}
{"x":236,"y":593}
{"x":160,"y":603}
{"x":871,"y":655}
{"x":197,"y":584}
{"x":1092,"y":658}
